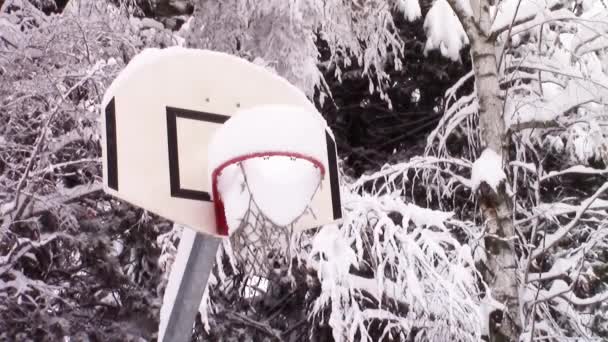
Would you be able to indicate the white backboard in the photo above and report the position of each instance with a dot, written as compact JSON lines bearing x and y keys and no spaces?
{"x":159,"y":115}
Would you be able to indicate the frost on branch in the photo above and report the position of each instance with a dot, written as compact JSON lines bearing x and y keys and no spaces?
{"x":557,"y":79}
{"x":284,"y":35}
{"x":400,"y":265}
{"x":398,"y":268}
{"x":74,"y":263}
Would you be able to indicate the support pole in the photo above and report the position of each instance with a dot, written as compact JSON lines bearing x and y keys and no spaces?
{"x":186,"y":286}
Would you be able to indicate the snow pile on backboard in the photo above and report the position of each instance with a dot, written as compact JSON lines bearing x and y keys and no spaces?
{"x":487,"y":169}
{"x":150,"y":56}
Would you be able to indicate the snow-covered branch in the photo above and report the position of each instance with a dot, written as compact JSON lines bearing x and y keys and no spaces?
{"x":554,"y":238}
{"x":577,"y":169}
{"x":462,"y":9}
{"x":420,"y":269}
{"x":507,"y":16}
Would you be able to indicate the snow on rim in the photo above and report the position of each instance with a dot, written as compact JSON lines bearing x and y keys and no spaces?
{"x":269,"y":129}
{"x":283,"y":153}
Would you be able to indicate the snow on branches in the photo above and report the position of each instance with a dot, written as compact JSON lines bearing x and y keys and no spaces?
{"x":410,"y":259}
{"x":397,"y":267}
{"x":73,"y":262}
{"x":552,"y":88}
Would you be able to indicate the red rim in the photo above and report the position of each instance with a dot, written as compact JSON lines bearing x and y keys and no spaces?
{"x":220,"y":215}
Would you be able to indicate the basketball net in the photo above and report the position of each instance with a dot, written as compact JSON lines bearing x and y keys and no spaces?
{"x":261,"y":213}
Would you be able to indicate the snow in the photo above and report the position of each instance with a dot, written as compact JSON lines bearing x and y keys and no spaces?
{"x":255,"y":286}
{"x":111,"y":299}
{"x":487,"y":169}
{"x":561,"y":267}
{"x":555,"y":143}
{"x":561,"y":292}
{"x":551,"y":210}
{"x":421,"y":217}
{"x":334,"y":253}
{"x":592,"y":37}
{"x":410,"y":8}
{"x":428,"y":217}
{"x":487,"y":306}
{"x":444,"y":31}
{"x":575,"y":169}
{"x":5,"y":208}
{"x":118,"y":247}
{"x":421,"y":267}
{"x":554,"y":103}
{"x":236,"y":199}
{"x":269,"y":128}
{"x":281,"y":186}
{"x":509,"y":8}
{"x":527,"y":166}
{"x":151,"y":23}
{"x":584,"y":141}
{"x":150,"y":56}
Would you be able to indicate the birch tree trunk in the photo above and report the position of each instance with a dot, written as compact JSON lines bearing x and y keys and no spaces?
{"x":501,"y":264}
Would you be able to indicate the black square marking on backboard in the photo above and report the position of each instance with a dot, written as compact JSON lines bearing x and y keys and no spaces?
{"x":334,"y":182}
{"x":172,"y":114}
{"x":111,"y":153}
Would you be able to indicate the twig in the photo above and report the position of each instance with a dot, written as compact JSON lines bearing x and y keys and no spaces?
{"x":562,"y":232}
{"x":84,"y":39}
{"x":267,"y":330}
{"x":523,"y":20}
{"x":35,"y":152}
{"x":53,"y":167}
{"x":537,"y":67}
{"x":293,"y":327}
{"x":508,"y":42}
{"x":535,"y":224}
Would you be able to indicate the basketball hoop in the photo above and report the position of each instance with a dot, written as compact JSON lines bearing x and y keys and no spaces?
{"x":251,"y":113}
{"x":222,"y":223}
{"x":271,"y":169}
{"x":266,"y":165}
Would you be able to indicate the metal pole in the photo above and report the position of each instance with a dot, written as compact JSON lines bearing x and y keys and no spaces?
{"x":190,"y":278}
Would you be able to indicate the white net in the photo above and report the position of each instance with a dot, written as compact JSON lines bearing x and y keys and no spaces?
{"x":263,"y":199}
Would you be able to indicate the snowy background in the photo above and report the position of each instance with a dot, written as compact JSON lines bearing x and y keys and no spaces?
{"x":473,"y":152}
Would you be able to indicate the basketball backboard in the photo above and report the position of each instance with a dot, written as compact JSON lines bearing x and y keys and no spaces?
{"x":159,"y":116}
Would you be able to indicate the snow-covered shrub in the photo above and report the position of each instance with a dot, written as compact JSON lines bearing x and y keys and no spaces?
{"x":396,"y":271}
{"x":73,"y":262}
